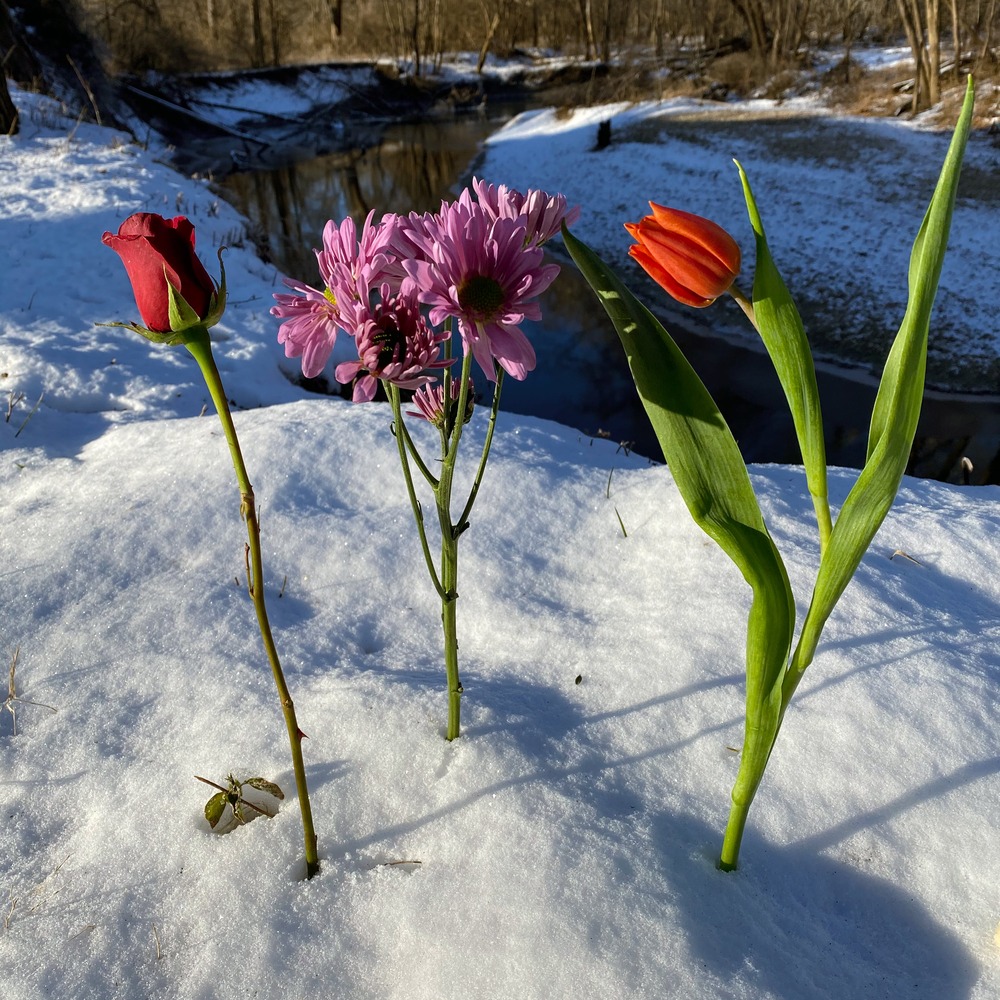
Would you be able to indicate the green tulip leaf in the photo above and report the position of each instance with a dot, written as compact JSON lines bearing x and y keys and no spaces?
{"x":712,"y":478}
{"x":780,"y":326}
{"x":896,"y":410}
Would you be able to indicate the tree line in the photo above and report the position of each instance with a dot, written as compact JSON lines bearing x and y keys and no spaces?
{"x":135,"y":36}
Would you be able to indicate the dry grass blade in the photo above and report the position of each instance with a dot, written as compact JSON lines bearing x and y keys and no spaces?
{"x":12,"y":696}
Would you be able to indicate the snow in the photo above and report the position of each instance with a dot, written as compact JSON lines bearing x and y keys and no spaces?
{"x":564,"y":847}
{"x":232,"y":100}
{"x":841,"y":199}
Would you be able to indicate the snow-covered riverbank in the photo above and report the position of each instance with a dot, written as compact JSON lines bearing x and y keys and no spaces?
{"x":564,"y":846}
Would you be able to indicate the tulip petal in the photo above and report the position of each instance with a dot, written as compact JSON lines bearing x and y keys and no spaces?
{"x":695,"y":259}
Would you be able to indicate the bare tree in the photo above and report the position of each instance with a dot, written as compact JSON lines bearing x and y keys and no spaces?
{"x":956,"y":41}
{"x":921,"y":27}
{"x":336,"y":9}
{"x":8,"y":112}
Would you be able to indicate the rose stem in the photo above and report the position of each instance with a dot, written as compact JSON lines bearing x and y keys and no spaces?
{"x":200,"y":346}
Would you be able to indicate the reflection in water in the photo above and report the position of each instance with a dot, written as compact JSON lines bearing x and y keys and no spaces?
{"x":413,"y":168}
{"x":582,"y":378}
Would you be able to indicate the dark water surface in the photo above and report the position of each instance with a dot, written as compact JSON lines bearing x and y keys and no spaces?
{"x":582,"y":379}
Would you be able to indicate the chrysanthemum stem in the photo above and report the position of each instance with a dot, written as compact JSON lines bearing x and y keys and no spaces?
{"x":449,"y":547}
{"x":200,"y":346}
{"x":449,"y":625}
{"x":418,"y":511}
{"x":446,"y":579}
{"x":411,"y":448}
{"x":463,"y":521}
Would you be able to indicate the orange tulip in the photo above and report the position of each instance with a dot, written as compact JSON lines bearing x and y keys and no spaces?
{"x":691,"y":258}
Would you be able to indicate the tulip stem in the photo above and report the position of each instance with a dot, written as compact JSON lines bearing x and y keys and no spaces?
{"x":745,"y":304}
{"x":198,"y":343}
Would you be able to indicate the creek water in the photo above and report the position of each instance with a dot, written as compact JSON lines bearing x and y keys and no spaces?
{"x":582,"y":378}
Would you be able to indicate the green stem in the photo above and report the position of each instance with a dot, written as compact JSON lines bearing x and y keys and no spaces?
{"x":418,"y":511}
{"x":734,"y":834}
{"x":449,"y":544}
{"x":411,"y":449}
{"x":817,"y":492}
{"x":200,"y":346}
{"x":463,"y":521}
{"x":449,"y":625}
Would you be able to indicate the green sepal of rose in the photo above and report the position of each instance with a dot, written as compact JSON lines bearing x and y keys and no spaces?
{"x":184,"y":321}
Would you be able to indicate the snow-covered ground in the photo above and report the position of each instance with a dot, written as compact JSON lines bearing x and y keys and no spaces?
{"x":841,"y":198}
{"x":564,"y":847}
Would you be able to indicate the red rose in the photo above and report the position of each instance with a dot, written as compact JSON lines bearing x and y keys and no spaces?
{"x":154,"y":251}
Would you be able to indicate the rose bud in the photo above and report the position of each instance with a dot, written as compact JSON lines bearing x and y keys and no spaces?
{"x":171,"y":286}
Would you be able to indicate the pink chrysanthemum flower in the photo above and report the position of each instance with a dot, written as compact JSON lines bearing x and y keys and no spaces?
{"x":394,"y":343}
{"x":541,"y":213}
{"x":429,"y":402}
{"x":349,"y":266}
{"x":310,"y":327}
{"x":481,"y":272}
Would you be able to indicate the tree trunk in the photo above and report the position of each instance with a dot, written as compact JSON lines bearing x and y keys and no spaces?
{"x":415,"y":38}
{"x":336,"y":8}
{"x":257,"y":34}
{"x":587,"y":24}
{"x":987,"y":41}
{"x":956,"y":40}
{"x":909,"y":13}
{"x":606,"y":36}
{"x":8,"y":113}
{"x":484,"y":51}
{"x":752,"y":13}
{"x":275,"y":34}
{"x":933,"y":52}
{"x":8,"y":44}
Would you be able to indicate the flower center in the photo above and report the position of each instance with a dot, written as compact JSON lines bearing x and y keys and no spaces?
{"x":480,"y":296}
{"x":329,"y":296}
{"x":390,"y":342}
